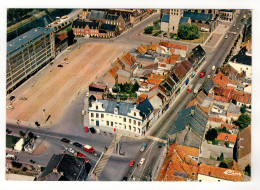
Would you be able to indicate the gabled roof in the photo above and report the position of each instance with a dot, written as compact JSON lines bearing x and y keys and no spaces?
{"x":233,"y":109}
{"x":208,"y":86}
{"x":241,"y":97}
{"x":145,"y":108}
{"x":128,"y":58}
{"x":108,"y":27}
{"x":113,"y":71}
{"x":172,"y":45}
{"x":123,"y":108}
{"x":215,"y":119}
{"x":198,"y":16}
{"x":142,"y":49}
{"x":227,"y":126}
{"x":142,"y":98}
{"x":221,"y":80}
{"x":184,"y":20}
{"x":154,"y":81}
{"x":242,"y":59}
{"x":97,"y":14}
{"x":193,"y":117}
{"x":63,"y":36}
{"x":165,"y":18}
{"x":227,"y":137}
{"x":189,"y":150}
{"x":83,"y":24}
{"x":222,"y":173}
{"x":180,"y":71}
{"x":244,"y":142}
{"x":221,"y":98}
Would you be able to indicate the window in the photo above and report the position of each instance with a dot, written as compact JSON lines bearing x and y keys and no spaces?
{"x":125,"y":126}
{"x":107,"y":123}
{"x":134,"y":114}
{"x":124,"y":119}
{"x":111,"y":124}
{"x":134,"y":129}
{"x":134,"y":122}
{"x":139,"y":130}
{"x":130,"y":127}
{"x":139,"y":123}
{"x":102,"y":115}
{"x":97,"y":115}
{"x":96,"y":107}
{"x":120,"y":123}
{"x":129,"y":120}
{"x":92,"y":114}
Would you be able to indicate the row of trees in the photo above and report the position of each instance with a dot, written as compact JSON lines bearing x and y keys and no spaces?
{"x":188,"y":32}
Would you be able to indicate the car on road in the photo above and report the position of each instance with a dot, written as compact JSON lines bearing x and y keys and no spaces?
{"x":82,"y":156}
{"x":77,"y":144}
{"x":131,"y":163}
{"x":65,"y":140}
{"x":89,"y":148}
{"x":86,"y":129}
{"x":142,"y":161}
{"x":143,"y":147}
{"x":226,"y":36}
{"x":190,"y":88}
{"x":208,"y":76}
{"x":213,"y":67}
{"x":92,"y":130}
{"x":196,"y":89}
{"x":202,"y":73}
{"x":59,"y":65}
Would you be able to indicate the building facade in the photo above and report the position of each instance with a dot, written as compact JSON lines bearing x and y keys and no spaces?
{"x":28,"y":53}
{"x":120,"y":116}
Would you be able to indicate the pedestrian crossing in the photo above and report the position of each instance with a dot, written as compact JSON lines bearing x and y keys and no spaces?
{"x":102,"y":163}
{"x":157,"y":139}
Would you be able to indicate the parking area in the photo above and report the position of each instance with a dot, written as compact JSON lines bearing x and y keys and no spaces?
{"x":53,"y":89}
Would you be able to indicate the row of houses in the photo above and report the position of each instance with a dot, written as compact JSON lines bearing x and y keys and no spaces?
{"x":191,"y":157}
{"x":162,"y":71}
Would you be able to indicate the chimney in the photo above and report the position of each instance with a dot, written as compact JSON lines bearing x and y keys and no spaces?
{"x":55,"y":170}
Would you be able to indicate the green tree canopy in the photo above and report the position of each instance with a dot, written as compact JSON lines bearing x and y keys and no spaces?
{"x":243,"y":109}
{"x":148,"y":30}
{"x":243,"y":121}
{"x":223,"y":165}
{"x":211,"y":134}
{"x":248,"y":170}
{"x":188,"y":32}
{"x":71,"y":36}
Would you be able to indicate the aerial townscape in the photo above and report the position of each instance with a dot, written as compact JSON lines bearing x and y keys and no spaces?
{"x":128,"y":95}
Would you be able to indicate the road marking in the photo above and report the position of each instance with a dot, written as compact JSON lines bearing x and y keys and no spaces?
{"x":102,"y":163}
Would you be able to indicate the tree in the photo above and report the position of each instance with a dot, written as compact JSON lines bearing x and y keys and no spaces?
{"x":24,"y":169}
{"x":248,"y":170}
{"x":221,"y":157}
{"x":30,"y":135}
{"x":123,"y":97}
{"x":148,"y":30}
{"x":223,"y":165}
{"x":243,"y":109}
{"x":188,"y":32}
{"x":243,"y":121}
{"x":21,"y":133}
{"x":211,"y":134}
{"x":71,"y":36}
{"x":234,"y":102}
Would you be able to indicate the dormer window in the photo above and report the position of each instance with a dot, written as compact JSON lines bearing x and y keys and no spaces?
{"x":115,"y":110}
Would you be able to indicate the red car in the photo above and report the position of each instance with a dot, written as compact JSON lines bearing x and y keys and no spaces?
{"x":202,"y":73}
{"x":131,"y":163}
{"x":86,"y":129}
{"x":82,"y":156}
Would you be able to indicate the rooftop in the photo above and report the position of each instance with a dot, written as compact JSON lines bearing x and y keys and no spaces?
{"x":184,"y":20}
{"x":198,"y":16}
{"x":108,"y":27}
{"x":21,"y":42}
{"x":221,"y":80}
{"x":244,"y":142}
{"x":165,"y":18}
{"x":227,"y":137}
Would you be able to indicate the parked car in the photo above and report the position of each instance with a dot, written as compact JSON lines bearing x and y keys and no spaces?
{"x":65,"y":140}
{"x":92,"y":130}
{"x":11,"y":98}
{"x":143,"y":147}
{"x":124,"y":179}
{"x":142,"y":161}
{"x":208,"y":76}
{"x":81,"y":155}
{"x":86,"y":129}
{"x":213,"y":67}
{"x":70,"y":150}
{"x":190,"y":88}
{"x":131,"y":163}
{"x":59,"y":65}
{"x":98,"y":131}
{"x":89,"y":148}
{"x":77,"y":144}
{"x":226,"y":36}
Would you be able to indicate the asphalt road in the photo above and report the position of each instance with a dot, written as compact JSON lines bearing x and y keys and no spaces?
{"x":71,"y":126}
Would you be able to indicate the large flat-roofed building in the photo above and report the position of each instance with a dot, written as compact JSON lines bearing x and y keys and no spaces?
{"x":28,"y":53}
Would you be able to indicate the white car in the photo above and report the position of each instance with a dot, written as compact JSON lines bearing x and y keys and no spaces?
{"x":213,"y":67}
{"x":208,"y":76}
{"x":142,"y":161}
{"x":226,"y":36}
{"x":70,"y":150}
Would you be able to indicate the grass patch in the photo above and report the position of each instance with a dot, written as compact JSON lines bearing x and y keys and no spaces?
{"x":65,"y":30}
{"x":212,"y":158}
{"x":11,"y":141}
{"x":201,"y":39}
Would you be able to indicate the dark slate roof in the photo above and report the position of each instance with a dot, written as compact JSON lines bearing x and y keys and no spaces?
{"x":165,"y":18}
{"x":196,"y":121}
{"x":70,"y":166}
{"x":145,"y":108}
{"x":21,"y":42}
{"x":123,"y":108}
{"x":210,"y":84}
{"x":198,"y":16}
{"x":197,"y":53}
{"x":184,"y":20}
{"x":108,"y":27}
{"x":111,"y":17}
{"x":242,"y":59}
{"x":97,"y":14}
{"x":83,"y":24}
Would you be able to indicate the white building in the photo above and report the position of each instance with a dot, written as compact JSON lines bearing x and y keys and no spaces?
{"x":121,"y":117}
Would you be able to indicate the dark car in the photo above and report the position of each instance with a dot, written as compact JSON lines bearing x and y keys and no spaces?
{"x":124,"y":179}
{"x":92,"y":130}
{"x":60,"y":66}
{"x":77,"y":144}
{"x":65,"y":140}
{"x":11,"y":98}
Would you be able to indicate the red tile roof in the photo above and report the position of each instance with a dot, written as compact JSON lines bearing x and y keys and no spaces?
{"x":98,"y":86}
{"x":142,"y":98}
{"x":228,"y":127}
{"x":241,"y":97}
{"x":128,"y":58}
{"x":227,"y":137}
{"x":154,"y":81}
{"x":113,"y":71}
{"x":221,"y":98}
{"x":142,"y":49}
{"x":180,"y":71}
{"x":221,"y":80}
{"x":62,"y":36}
{"x":214,"y":119}
{"x":222,"y":173}
{"x":175,"y":46}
